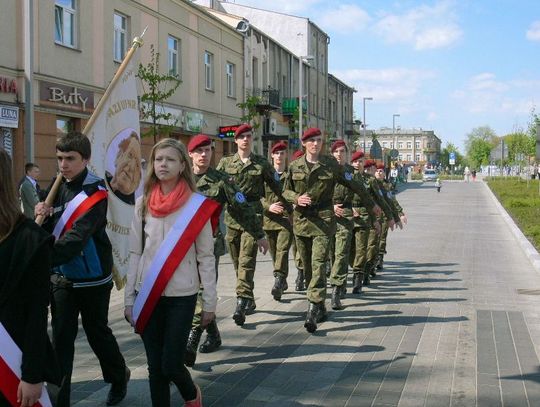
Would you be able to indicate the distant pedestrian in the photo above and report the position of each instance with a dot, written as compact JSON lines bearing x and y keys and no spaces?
{"x":29,"y":190}
{"x":467,"y":174}
{"x":171,"y":255}
{"x":438,"y":184}
{"x":473,"y":173}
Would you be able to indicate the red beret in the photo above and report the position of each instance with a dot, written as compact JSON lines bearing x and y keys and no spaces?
{"x":243,"y":128}
{"x":356,"y":155}
{"x":380,"y":166}
{"x":337,"y":144}
{"x":311,"y":132}
{"x":369,"y":163}
{"x":278,"y":147}
{"x":198,"y":141}
{"x":297,"y":154}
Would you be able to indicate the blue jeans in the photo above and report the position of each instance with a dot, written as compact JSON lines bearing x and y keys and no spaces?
{"x":165,"y":338}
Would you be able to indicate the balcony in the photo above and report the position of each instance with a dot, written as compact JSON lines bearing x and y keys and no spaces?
{"x":290,"y":105}
{"x":269,"y":99}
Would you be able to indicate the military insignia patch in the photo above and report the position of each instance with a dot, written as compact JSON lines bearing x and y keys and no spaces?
{"x":240,"y":198}
{"x":276,"y":176}
{"x":348,"y":176}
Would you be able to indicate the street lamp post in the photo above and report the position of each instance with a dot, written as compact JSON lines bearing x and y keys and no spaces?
{"x":394,"y":139}
{"x":300,"y":92}
{"x":364,"y":103}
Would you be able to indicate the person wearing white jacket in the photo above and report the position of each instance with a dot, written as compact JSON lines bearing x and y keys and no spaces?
{"x":168,"y":191}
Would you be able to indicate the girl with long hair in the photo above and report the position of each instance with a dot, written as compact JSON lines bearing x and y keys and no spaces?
{"x":170,"y":205}
{"x":24,"y":296}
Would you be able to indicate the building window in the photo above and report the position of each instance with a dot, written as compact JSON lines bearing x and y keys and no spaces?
{"x":400,"y":157}
{"x":64,"y":22}
{"x":400,"y":145}
{"x":409,"y":145}
{"x":417,"y":145}
{"x":409,"y":157}
{"x":417,"y":157}
{"x":209,"y":70}
{"x":384,"y":144}
{"x":175,"y":64}
{"x":64,"y":125}
{"x":230,"y":70}
{"x":120,"y":36}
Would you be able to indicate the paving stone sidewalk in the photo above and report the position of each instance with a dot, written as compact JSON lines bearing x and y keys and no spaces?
{"x":452,"y":320}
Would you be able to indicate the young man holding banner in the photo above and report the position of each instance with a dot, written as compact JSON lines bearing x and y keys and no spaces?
{"x":82,"y":264}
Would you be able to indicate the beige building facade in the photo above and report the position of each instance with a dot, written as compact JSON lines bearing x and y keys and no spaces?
{"x":78,"y":45}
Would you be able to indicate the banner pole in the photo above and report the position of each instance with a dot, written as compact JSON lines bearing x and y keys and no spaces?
{"x":137,"y":42}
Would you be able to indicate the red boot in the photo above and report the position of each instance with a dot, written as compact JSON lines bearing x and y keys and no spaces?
{"x":197,"y":402}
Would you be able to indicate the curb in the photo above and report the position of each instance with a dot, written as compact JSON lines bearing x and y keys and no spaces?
{"x":530,"y":251}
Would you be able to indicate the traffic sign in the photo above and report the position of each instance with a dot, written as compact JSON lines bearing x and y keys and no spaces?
{"x":452,"y":158}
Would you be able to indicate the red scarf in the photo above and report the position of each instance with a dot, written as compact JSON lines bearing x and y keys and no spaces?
{"x":161,"y":205}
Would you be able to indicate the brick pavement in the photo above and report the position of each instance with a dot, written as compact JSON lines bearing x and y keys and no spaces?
{"x":453,"y":320}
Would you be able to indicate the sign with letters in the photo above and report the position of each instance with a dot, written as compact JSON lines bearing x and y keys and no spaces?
{"x":66,"y":97}
{"x":9,"y":116}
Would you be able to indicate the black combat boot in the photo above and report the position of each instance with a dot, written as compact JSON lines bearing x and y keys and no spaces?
{"x":250,"y":307}
{"x":213,"y":338}
{"x":357,"y":282}
{"x":335,"y":301}
{"x":366,"y":279}
{"x":278,"y":288}
{"x":311,"y":318}
{"x":239,"y":315}
{"x":380,"y":262}
{"x":373,"y":269}
{"x":300,"y":284}
{"x":343,"y":289}
{"x":191,"y":347}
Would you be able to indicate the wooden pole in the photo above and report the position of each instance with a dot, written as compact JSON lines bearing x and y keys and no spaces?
{"x":137,"y":42}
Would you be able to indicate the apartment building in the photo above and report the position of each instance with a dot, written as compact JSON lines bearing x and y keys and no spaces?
{"x":309,"y":44}
{"x":414,"y":145}
{"x":78,"y":45}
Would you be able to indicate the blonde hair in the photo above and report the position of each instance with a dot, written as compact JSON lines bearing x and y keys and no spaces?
{"x":152,"y":179}
{"x":10,"y":214}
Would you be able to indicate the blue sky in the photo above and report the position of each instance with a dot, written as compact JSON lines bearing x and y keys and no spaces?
{"x":447,"y":66}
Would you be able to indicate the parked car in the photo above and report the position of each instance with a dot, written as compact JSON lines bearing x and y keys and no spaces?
{"x":430,"y":175}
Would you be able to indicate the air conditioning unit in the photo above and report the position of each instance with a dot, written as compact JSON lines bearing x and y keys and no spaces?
{"x":272,"y":126}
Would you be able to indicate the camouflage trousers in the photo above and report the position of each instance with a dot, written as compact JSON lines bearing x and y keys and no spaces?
{"x":296,"y":255}
{"x":359,"y":249}
{"x":382,"y":239}
{"x":280,"y":241}
{"x":243,"y":250}
{"x":372,"y":247}
{"x":340,"y":251}
{"x":314,"y":254}
{"x":197,"y":317}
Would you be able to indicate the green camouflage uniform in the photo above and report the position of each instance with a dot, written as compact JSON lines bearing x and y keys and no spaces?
{"x":217,"y":185}
{"x":278,"y":230}
{"x":341,"y":244}
{"x":315,"y":225}
{"x":250,"y":178}
{"x":387,"y":189}
{"x":388,"y":213}
{"x":362,"y":225}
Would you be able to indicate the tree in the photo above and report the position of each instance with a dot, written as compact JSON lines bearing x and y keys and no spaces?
{"x":519,"y":143}
{"x":445,"y":154}
{"x":157,"y":88}
{"x":478,"y":145}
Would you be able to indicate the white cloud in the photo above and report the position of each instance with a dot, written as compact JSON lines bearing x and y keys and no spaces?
{"x":424,"y":27}
{"x":345,"y":18}
{"x":484,"y":93}
{"x":533,"y":33}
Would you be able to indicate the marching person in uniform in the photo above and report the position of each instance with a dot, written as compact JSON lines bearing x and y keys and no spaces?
{"x":216,"y":185}
{"x":251,"y":173}
{"x":389,"y":216}
{"x":363,"y":222}
{"x":387,"y":188}
{"x":300,"y":282}
{"x":25,"y":261}
{"x":171,"y":256}
{"x":310,"y":186}
{"x":82,"y":266}
{"x":277,"y":224}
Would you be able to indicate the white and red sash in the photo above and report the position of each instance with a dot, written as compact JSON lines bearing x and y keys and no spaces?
{"x":10,"y":371}
{"x":76,"y":208}
{"x":189,"y":223}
